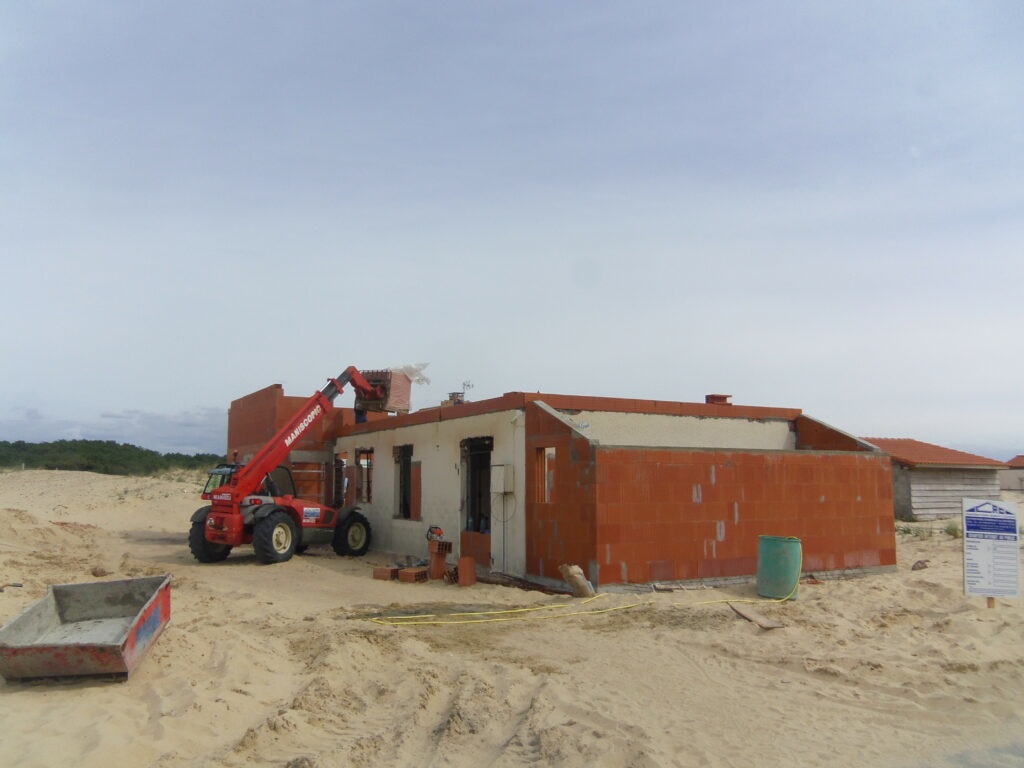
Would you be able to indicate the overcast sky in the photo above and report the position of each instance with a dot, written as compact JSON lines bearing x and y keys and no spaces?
{"x":803,"y":204}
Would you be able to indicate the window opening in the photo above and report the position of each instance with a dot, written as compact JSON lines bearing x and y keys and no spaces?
{"x":545,"y":475}
{"x":403,"y":480}
{"x":364,"y":475}
{"x":339,"y":483}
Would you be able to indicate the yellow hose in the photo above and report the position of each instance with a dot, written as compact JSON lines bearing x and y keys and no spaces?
{"x":400,"y":621}
{"x":792,"y":592}
{"x":432,"y":618}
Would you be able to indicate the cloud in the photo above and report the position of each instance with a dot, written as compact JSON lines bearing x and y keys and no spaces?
{"x":198,"y":431}
{"x":814,"y":205}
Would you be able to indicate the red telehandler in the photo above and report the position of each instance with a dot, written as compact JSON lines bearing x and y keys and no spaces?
{"x":255,"y":503}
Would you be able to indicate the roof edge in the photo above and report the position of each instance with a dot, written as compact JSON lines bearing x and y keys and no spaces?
{"x":518,"y":400}
{"x":917,"y":453}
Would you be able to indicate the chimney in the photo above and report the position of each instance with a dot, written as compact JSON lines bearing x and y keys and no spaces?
{"x":454,"y":398}
{"x":718,"y":399}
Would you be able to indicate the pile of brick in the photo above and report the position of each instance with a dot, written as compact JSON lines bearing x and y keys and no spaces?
{"x":464,"y":574}
{"x":412,"y":575}
{"x":407,"y":575}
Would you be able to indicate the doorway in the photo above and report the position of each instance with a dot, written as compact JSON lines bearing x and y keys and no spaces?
{"x":476,"y":458}
{"x":475,"y":540}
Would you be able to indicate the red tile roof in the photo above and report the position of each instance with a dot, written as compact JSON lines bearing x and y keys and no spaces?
{"x":916,"y":453}
{"x":1017,"y":462}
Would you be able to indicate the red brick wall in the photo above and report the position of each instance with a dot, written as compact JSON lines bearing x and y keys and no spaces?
{"x":477,"y":546}
{"x":678,"y":514}
{"x":255,"y":418}
{"x":811,"y":434}
{"x":309,"y":480}
{"x":251,"y":420}
{"x":564,"y":530}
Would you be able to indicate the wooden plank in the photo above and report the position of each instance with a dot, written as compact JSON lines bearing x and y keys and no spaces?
{"x":751,"y":615}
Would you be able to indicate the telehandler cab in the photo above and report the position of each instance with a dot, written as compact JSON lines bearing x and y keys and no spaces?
{"x":255,"y":503}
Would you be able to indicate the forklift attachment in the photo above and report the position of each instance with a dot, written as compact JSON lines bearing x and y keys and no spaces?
{"x":396,"y":388}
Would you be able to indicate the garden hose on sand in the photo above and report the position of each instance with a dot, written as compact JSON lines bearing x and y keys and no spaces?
{"x":504,"y":615}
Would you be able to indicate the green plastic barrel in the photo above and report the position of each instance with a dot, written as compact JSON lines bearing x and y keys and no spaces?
{"x":779,"y":559}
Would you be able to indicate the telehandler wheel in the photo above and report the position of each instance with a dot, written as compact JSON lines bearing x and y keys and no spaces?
{"x":352,"y":536}
{"x":274,"y":538}
{"x":202,"y":550}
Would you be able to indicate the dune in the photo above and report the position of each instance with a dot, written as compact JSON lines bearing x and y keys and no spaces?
{"x":281,"y":665}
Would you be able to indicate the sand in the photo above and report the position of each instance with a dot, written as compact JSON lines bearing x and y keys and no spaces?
{"x":280,"y":666}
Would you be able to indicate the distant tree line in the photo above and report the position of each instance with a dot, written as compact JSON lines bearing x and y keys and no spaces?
{"x":104,"y":456}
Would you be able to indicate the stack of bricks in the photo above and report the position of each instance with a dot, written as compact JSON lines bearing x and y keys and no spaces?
{"x":467,"y":571}
{"x":386,"y":573}
{"x":438,"y":551}
{"x":412,"y":575}
{"x":439,"y":547}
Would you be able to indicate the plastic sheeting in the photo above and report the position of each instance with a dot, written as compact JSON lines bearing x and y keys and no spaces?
{"x":414,"y":371}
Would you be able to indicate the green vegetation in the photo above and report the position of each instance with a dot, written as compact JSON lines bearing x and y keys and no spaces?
{"x":104,"y":456}
{"x":952,"y":529}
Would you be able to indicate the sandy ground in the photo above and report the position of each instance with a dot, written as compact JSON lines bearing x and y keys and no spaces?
{"x":279,"y":665}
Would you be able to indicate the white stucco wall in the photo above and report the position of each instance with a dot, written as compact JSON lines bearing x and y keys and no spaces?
{"x":662,"y":430}
{"x":436,"y":446}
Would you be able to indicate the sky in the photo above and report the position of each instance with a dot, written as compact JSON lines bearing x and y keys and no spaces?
{"x":802,"y":204}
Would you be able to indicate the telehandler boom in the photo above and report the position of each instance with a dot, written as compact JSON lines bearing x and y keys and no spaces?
{"x":255,"y":503}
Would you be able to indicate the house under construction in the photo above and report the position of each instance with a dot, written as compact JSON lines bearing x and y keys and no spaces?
{"x":633,"y":491}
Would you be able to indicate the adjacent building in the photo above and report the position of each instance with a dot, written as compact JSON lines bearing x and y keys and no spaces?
{"x":930,"y":481}
{"x":1012,"y":478}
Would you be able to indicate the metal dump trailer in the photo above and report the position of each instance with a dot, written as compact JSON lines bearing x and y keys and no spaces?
{"x":97,"y":628}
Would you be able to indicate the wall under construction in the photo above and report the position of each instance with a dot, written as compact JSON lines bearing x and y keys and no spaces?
{"x":633,"y":491}
{"x":257,"y":417}
{"x":598,"y":482}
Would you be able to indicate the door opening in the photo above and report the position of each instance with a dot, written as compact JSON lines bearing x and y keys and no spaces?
{"x":476,"y":459}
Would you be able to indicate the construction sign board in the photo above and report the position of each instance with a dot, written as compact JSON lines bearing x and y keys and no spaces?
{"x":991,"y":548}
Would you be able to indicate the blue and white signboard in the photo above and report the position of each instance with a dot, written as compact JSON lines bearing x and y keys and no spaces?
{"x":991,"y":548}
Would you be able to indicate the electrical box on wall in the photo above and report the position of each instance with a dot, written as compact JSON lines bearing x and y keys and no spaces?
{"x":502,"y":478}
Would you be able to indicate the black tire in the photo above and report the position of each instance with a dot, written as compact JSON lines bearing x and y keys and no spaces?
{"x":274,"y":538}
{"x":202,"y":550}
{"x":352,"y":536}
